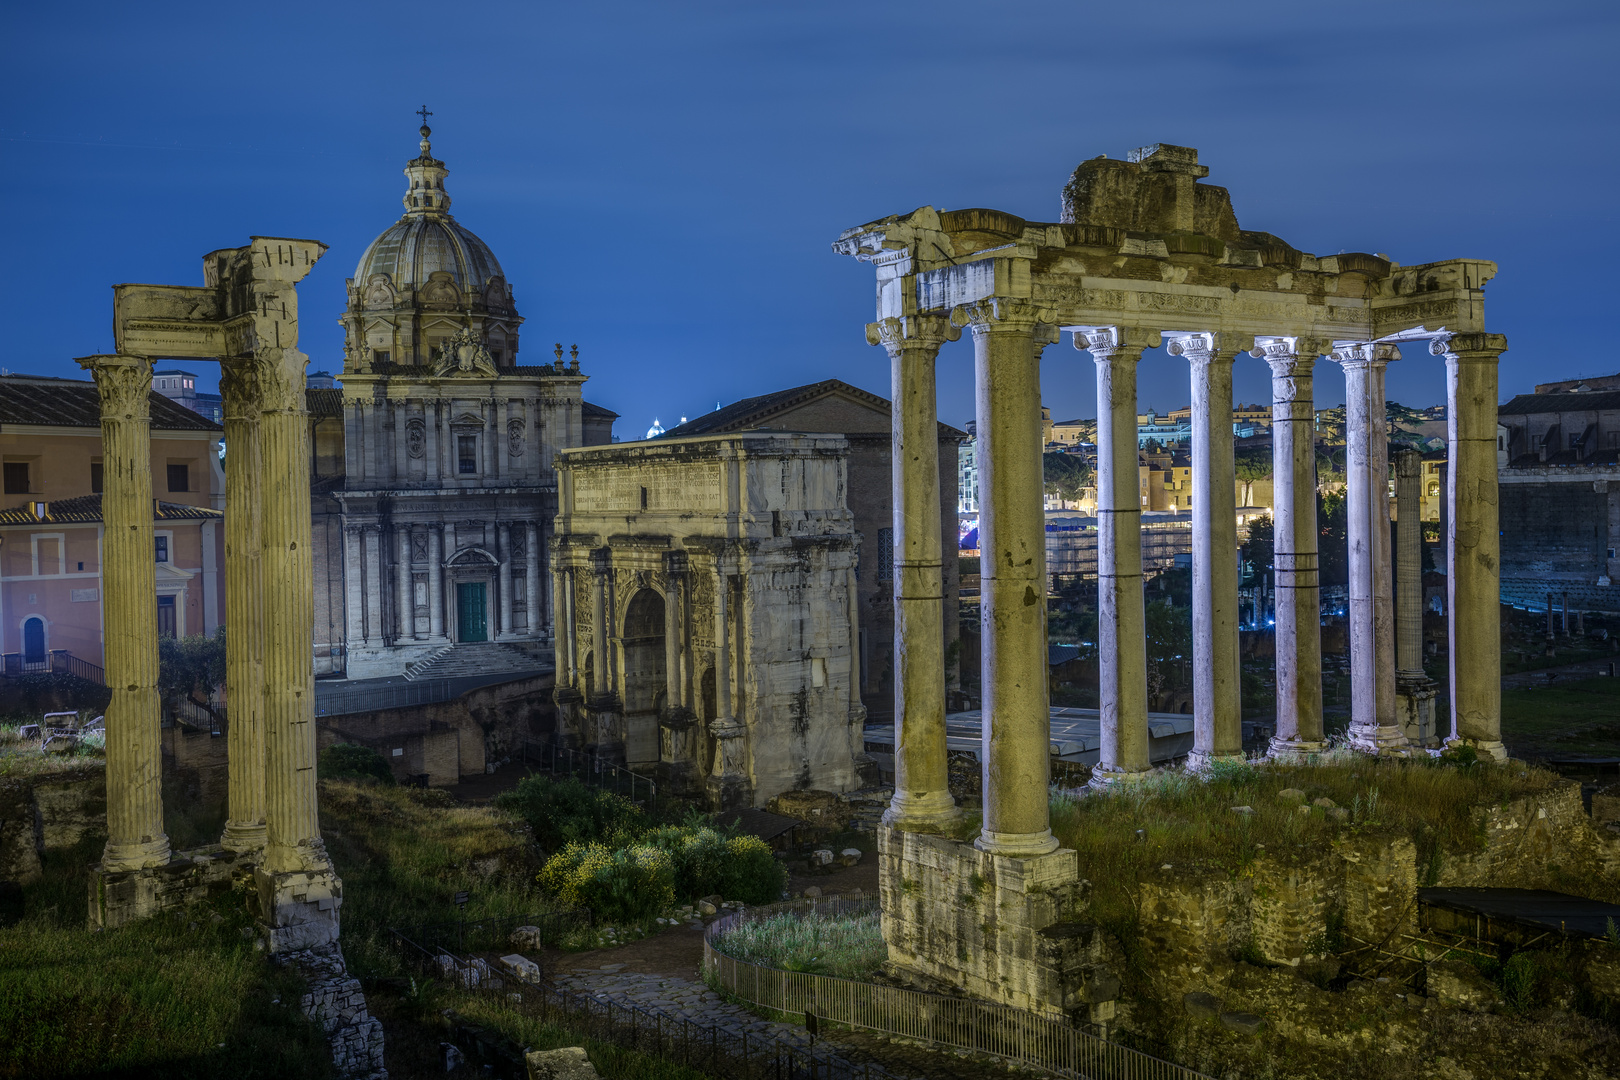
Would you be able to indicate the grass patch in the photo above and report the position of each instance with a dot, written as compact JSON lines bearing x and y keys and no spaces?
{"x":612,"y":1062}
{"x":1579,"y":716}
{"x":23,"y":759}
{"x":847,"y":946}
{"x":404,"y":853}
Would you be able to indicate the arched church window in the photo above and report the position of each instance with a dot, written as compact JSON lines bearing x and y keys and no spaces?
{"x":413,"y":201}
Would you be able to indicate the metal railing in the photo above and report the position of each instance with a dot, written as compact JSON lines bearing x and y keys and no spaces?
{"x":714,"y":1050}
{"x":1051,"y":1045}
{"x":57,"y":660}
{"x":590,"y":769}
{"x":386,"y":697}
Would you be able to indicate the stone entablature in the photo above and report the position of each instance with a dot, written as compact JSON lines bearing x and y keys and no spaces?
{"x":703,"y":590}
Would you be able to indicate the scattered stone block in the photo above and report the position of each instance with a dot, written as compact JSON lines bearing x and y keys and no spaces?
{"x":850,"y":856}
{"x":821,"y":857}
{"x":1291,"y":795}
{"x":1337,"y":813}
{"x":1243,"y":1023}
{"x":1460,"y":984}
{"x":526,"y":937}
{"x":522,"y":966}
{"x":813,"y":893}
{"x":568,"y":1063}
{"x":1243,"y":810}
{"x":1324,"y":802}
{"x":1202,"y":1006}
{"x":707,"y":907}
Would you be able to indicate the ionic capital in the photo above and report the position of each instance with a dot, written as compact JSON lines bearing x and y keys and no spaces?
{"x":1109,"y":342}
{"x":1204,"y":346}
{"x":1290,"y":358}
{"x":1364,"y":352}
{"x":1007,"y":313}
{"x":916,"y":331}
{"x":123,"y":384}
{"x":1478,"y":348}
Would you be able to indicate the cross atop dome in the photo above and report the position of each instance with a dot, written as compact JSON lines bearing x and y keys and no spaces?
{"x":426,"y":194}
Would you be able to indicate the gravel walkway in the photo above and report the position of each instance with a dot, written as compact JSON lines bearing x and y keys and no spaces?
{"x":679,"y":999}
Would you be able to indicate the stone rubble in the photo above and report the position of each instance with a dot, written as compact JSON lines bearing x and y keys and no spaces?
{"x":335,"y":1000}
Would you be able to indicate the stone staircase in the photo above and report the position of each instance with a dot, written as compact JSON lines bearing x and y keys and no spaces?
{"x":483,"y":658}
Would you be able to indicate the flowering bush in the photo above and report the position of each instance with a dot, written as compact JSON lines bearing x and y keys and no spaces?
{"x":627,"y":884}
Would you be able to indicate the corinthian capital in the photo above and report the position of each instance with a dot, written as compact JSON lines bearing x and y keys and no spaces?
{"x":1005,"y":313}
{"x":281,"y":380}
{"x":926,"y":331}
{"x":1208,"y":345}
{"x":1469,"y":346}
{"x":239,"y":387}
{"x":1103,"y":342}
{"x":123,"y":383}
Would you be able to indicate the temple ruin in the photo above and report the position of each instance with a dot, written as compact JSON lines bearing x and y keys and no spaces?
{"x":1143,"y":254}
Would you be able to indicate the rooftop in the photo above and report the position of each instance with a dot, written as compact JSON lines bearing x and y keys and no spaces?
{"x":43,"y":401}
{"x":86,"y":510}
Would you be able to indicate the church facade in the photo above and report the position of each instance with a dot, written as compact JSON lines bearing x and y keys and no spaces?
{"x":433,"y":489}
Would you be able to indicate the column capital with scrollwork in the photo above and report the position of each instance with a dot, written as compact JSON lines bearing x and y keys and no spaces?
{"x":1289,"y":357}
{"x":1010,"y":314}
{"x":1478,"y":348}
{"x":1355,"y":353}
{"x":123,"y":384}
{"x":1111,"y":342}
{"x":1209,"y":346}
{"x":914,"y":331}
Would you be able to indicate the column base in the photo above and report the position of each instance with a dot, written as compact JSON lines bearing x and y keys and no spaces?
{"x":1383,"y":739}
{"x":1017,"y":845}
{"x":1484,"y":748}
{"x":136,"y":855}
{"x":925,"y":812}
{"x":1202,"y":760}
{"x":1294,"y":751}
{"x":1414,"y":708}
{"x":298,"y":909}
{"x":728,"y":792}
{"x":1117,"y":779}
{"x":119,"y":897}
{"x":243,"y":837}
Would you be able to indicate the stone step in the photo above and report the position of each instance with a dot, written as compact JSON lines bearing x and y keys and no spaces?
{"x":483,"y":658}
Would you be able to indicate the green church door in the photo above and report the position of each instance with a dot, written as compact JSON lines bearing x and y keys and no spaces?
{"x":471,"y":612}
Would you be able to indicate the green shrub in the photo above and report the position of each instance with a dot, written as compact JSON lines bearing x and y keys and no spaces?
{"x":625,"y":885}
{"x":700,"y":855}
{"x":351,"y":761}
{"x":752,"y":874}
{"x":565,"y":811}
{"x":848,"y":946}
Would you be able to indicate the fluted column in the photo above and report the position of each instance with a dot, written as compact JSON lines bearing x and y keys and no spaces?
{"x":1121,"y":631}
{"x":922,"y":799}
{"x":436,"y":582}
{"x":1374,"y":726}
{"x":1298,"y":579}
{"x":404,"y":603}
{"x":1473,"y":542}
{"x":135,"y":836}
{"x":503,"y":537}
{"x":1217,"y":702}
{"x":294,"y":837}
{"x":674,"y":575}
{"x":244,"y":606}
{"x":1008,"y":335}
{"x":1408,"y":562}
{"x":722,"y":650}
{"x":562,"y":617}
{"x":601,"y":670}
{"x":531,"y":579}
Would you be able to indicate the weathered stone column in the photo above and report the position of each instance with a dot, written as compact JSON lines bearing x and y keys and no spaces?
{"x":354,"y":597}
{"x":404,"y":602}
{"x":430,"y":449}
{"x":1217,"y":705}
{"x":1373,"y":724}
{"x":503,"y":539}
{"x":722,"y":645}
{"x":531,"y":579}
{"x":562,"y":613}
{"x":373,"y":583}
{"x":1414,"y":690}
{"x":1298,"y":579}
{"x":1473,"y":546}
{"x":727,"y":783}
{"x":601,"y":670}
{"x":135,"y":836}
{"x":244,"y":606}
{"x":436,"y":582}
{"x":922,"y":799}
{"x":1121,"y":632}
{"x":1008,"y":335}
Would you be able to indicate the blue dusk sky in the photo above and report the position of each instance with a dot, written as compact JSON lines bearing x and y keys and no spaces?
{"x":662,"y":181}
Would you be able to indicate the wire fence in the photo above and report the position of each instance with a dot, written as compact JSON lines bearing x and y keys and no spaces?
{"x":729,"y":1053}
{"x":1049,"y":1044}
{"x":592,"y":770}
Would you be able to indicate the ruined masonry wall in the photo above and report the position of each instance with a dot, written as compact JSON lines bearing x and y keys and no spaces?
{"x":335,"y":1001}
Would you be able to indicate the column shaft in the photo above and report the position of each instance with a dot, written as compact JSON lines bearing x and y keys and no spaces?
{"x":722,"y":648}
{"x":533,"y":622}
{"x":1217,"y":705}
{"x":373,"y":583}
{"x":1012,"y":539}
{"x":244,"y":607}
{"x":135,"y":836}
{"x":672,"y":643}
{"x":292,"y":824}
{"x":1373,"y":723}
{"x":1473,"y":546}
{"x":1121,"y":638}
{"x":503,"y":534}
{"x":401,"y":413}
{"x":922,"y":799}
{"x":405,"y":602}
{"x":1408,"y":563}
{"x":436,"y":582}
{"x":1295,"y":559}
{"x":430,"y":449}
{"x":354,"y":601}
{"x":601,"y":671}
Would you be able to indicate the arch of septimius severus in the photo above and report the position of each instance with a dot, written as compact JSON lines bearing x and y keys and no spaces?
{"x":245,"y":315}
{"x":1145,"y":255}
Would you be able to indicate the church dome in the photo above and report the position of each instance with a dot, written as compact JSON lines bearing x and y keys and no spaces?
{"x":427,"y":239}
